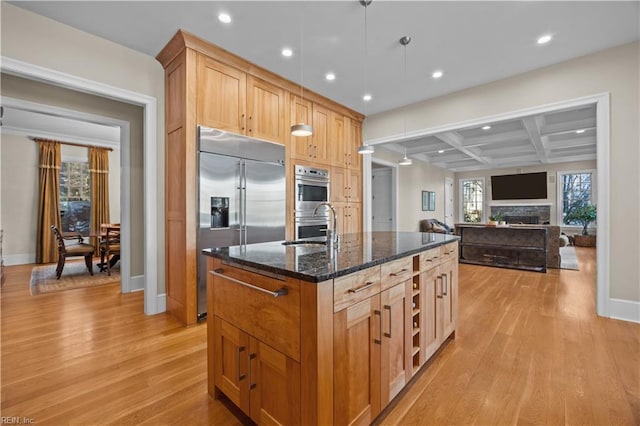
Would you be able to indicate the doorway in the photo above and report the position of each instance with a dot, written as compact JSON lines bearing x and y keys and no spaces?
{"x":448,"y":202}
{"x":383,"y":196}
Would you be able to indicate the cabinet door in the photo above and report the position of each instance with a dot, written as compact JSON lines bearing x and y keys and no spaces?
{"x":220,"y":96}
{"x":431,"y":308}
{"x":301,"y":112}
{"x":231,"y":362}
{"x":395,"y":358}
{"x":339,"y":184}
{"x":449,"y":274}
{"x":337,"y":129}
{"x":320,"y":134}
{"x":353,"y":220}
{"x":266,"y":109}
{"x":355,"y":185}
{"x":353,"y":141}
{"x":356,"y":358}
{"x":274,"y":383}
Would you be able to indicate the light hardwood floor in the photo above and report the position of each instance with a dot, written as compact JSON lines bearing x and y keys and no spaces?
{"x":529,"y":349}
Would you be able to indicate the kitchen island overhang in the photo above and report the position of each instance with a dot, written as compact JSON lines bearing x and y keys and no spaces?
{"x":293,"y":329}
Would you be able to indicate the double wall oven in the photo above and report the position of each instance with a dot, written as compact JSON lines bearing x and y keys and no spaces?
{"x":312,"y":188}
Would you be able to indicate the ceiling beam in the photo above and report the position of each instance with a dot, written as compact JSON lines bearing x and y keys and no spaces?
{"x":567,"y":126}
{"x":455,"y":141}
{"x":494,"y":138}
{"x":532,"y":125}
{"x":569,"y":143}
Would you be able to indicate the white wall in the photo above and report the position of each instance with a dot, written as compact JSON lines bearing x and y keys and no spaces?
{"x":412,"y":180}
{"x":37,"y":40}
{"x":615,"y":70}
{"x":552,"y":188}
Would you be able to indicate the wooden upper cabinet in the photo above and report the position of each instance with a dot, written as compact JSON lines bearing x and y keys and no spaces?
{"x":353,"y":141}
{"x":301,"y":147}
{"x":320,"y":134}
{"x":221,"y":94}
{"x":337,"y":139}
{"x":266,"y":110}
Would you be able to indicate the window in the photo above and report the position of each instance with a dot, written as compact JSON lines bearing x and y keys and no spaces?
{"x":472,"y":200}
{"x":575,"y":189}
{"x":75,"y":198}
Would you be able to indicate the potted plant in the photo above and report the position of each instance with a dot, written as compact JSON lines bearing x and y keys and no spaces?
{"x":494,"y":219}
{"x":584,"y":215}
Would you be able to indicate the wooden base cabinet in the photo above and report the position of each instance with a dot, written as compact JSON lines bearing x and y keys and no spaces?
{"x":372,"y":354}
{"x":263,"y":382}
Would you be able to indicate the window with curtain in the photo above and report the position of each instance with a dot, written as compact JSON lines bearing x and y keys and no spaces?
{"x":575,"y":189}
{"x":472,"y":200}
{"x":75,"y":197}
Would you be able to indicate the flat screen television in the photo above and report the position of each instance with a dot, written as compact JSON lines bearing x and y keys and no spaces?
{"x":524,"y":186}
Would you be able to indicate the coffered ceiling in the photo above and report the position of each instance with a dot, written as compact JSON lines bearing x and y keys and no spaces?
{"x":555,"y":137}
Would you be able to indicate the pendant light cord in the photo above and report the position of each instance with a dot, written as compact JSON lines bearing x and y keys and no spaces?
{"x":302,"y":55}
{"x":366,"y":56}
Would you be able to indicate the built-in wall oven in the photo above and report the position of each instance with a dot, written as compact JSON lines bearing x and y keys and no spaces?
{"x":312,"y":188}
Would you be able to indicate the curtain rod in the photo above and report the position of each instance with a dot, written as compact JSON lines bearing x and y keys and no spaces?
{"x":70,"y":143}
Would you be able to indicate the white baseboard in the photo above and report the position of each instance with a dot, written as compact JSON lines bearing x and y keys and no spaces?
{"x":161,"y":303}
{"x":18,"y":259}
{"x":158,"y":304}
{"x":136,"y":283}
{"x":626,"y":310}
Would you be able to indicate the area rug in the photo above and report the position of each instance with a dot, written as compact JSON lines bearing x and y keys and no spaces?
{"x":74,"y":275}
{"x":568,"y":258}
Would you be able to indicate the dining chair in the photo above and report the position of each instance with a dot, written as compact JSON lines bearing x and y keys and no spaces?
{"x":72,"y":249}
{"x":109,"y":247}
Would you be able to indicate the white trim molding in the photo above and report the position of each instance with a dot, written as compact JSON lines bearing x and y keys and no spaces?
{"x":161,"y":302}
{"x":136,"y":283}
{"x":149,"y":103}
{"x":626,"y":310}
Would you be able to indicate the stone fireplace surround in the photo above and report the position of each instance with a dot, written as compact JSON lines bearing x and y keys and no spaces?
{"x":523,"y":213}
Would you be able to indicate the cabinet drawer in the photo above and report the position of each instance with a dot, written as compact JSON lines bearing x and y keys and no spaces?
{"x":396,"y":272}
{"x":449,"y":251}
{"x":255,"y":310}
{"x":429,"y":259}
{"x":355,"y":287}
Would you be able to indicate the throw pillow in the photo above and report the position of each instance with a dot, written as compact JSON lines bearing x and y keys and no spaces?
{"x":437,"y":228}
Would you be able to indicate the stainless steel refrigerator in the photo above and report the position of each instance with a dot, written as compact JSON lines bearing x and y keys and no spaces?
{"x":242,"y":192}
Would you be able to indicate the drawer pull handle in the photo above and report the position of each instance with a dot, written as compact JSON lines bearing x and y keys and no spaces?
{"x":278,"y":293}
{"x":240,"y":375}
{"x":252,"y":384}
{"x":395,"y":274}
{"x":388,"y":307}
{"x":364,"y":287}
{"x":379,"y":339}
{"x":439,"y":296}
{"x":445,"y":282}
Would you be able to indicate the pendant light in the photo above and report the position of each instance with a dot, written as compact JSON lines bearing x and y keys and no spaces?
{"x":364,"y":148}
{"x":406,"y":161}
{"x":301,"y":129}
{"x":404,"y":41}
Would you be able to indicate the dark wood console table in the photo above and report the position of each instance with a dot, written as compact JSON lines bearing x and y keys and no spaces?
{"x":503,"y":246}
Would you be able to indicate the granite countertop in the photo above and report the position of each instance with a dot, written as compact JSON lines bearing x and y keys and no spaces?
{"x":316,"y":263}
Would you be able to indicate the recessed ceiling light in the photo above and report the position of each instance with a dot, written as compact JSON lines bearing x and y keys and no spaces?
{"x":544,"y":39}
{"x":287,"y":52}
{"x":437,"y":74}
{"x":224,"y":18}
{"x":440,"y":151}
{"x":366,"y":97}
{"x":486,"y":127}
{"x":580,"y":131}
{"x":330,"y":76}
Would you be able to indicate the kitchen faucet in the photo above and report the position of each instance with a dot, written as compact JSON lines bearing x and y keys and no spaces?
{"x":332,"y":234}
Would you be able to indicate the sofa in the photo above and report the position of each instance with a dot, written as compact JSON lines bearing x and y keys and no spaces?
{"x":434,"y":225}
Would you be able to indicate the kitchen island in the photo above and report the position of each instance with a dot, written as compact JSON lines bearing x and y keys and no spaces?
{"x":303,"y":334}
